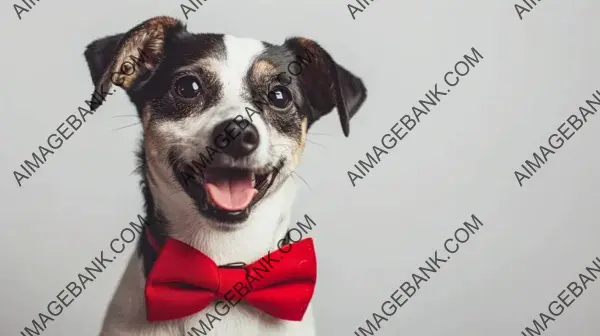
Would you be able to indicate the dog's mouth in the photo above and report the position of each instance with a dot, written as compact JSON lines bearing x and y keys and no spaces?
{"x":228,"y":194}
{"x":233,"y":189}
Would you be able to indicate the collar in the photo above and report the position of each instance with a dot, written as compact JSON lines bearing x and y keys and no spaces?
{"x":150,"y":247}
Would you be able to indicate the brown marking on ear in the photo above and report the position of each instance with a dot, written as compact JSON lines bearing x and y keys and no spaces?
{"x":315,"y":49}
{"x":139,"y":51}
{"x":307,"y":43}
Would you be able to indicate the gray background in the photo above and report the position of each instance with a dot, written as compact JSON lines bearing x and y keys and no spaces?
{"x":458,"y":161}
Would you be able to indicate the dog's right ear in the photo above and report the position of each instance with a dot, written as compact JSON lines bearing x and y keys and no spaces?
{"x":327,"y":84}
{"x":129,"y":60}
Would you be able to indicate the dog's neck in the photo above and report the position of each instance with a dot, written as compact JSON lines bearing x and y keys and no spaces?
{"x":171,"y":212}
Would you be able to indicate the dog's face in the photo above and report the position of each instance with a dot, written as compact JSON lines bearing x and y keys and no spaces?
{"x":227,"y":116}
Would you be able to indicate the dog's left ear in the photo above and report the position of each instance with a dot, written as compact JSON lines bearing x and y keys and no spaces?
{"x":326,"y":83}
{"x":129,"y":60}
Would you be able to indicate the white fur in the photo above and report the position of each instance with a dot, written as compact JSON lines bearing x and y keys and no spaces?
{"x":268,"y":222}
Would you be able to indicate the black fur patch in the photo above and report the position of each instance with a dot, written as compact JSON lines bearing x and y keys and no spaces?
{"x":182,"y":50}
{"x":260,"y":83}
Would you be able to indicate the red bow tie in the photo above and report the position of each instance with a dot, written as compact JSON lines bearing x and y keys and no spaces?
{"x":184,"y":281}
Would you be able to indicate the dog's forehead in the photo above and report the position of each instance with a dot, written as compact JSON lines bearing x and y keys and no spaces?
{"x":234,"y":59}
{"x":240,"y":56}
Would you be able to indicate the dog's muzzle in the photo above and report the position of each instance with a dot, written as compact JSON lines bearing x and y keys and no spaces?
{"x":224,"y":192}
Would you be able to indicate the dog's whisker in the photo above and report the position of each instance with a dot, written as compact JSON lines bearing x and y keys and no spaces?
{"x":120,"y":128}
{"x":322,"y":134}
{"x":315,"y":143}
{"x":303,"y":180}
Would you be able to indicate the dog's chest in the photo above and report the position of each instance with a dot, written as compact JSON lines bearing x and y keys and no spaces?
{"x":246,"y":321}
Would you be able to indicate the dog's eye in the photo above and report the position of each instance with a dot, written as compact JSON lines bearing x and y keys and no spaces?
{"x":187,"y":87}
{"x":280,"y":97}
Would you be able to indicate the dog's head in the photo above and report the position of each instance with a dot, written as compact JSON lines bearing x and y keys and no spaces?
{"x":227,"y":116}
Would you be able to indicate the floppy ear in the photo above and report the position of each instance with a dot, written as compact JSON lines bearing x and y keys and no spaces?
{"x":129,"y":59}
{"x":326,"y":83}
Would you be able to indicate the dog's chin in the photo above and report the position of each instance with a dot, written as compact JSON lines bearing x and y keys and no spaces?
{"x":227,"y":196}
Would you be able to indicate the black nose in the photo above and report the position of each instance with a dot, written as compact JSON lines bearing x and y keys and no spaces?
{"x":236,"y":138}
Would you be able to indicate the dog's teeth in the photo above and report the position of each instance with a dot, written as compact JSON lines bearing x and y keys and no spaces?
{"x":253,"y":177}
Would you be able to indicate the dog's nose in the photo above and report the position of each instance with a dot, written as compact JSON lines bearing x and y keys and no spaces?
{"x":235,"y":140}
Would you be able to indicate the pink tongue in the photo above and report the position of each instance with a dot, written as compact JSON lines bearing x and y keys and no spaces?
{"x":231,"y":194}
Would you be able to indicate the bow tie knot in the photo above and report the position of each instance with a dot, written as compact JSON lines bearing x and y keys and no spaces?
{"x":184,"y":281}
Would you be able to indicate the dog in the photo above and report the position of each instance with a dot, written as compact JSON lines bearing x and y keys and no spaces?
{"x":186,"y":88}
